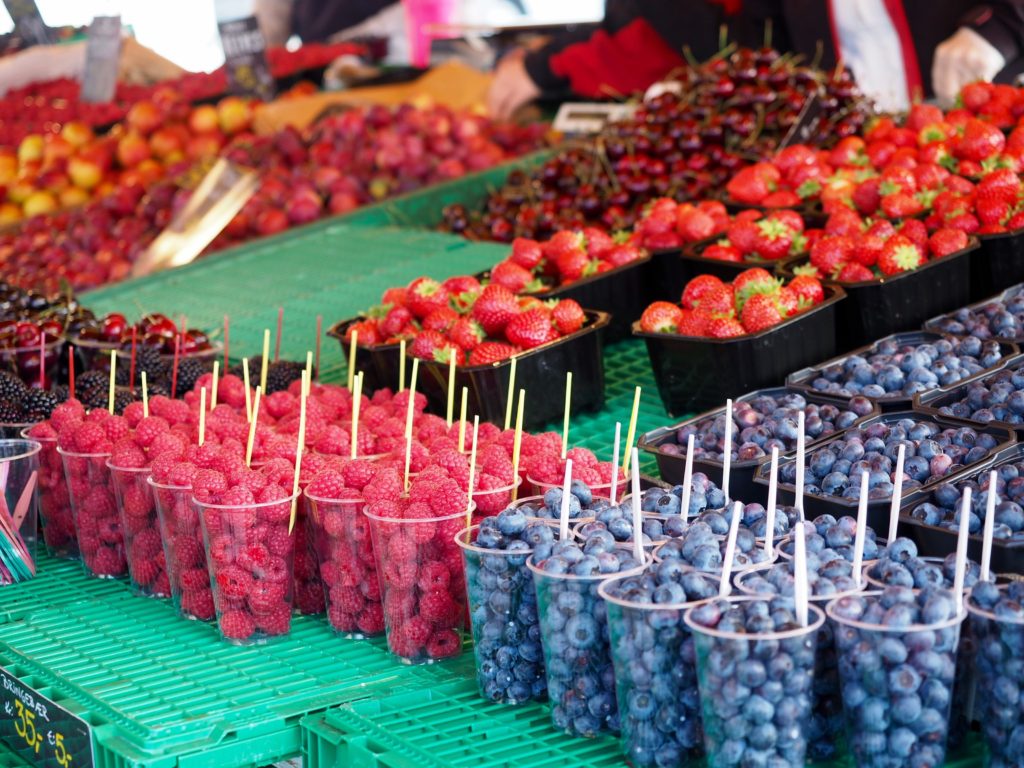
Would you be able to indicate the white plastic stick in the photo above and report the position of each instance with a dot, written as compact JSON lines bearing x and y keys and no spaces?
{"x":769,"y":516}
{"x":961,"y":551}
{"x":897,"y":494}
{"x":725,"y":586}
{"x":727,"y":453}
{"x":563,"y":513}
{"x":684,"y":507}
{"x":613,"y":491}
{"x":800,"y":464}
{"x":862,"y":523}
{"x":800,"y":591}
{"x":990,"y":521}
{"x":638,"y":533}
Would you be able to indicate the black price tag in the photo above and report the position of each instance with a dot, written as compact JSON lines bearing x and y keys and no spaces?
{"x":41,"y":732}
{"x":245,"y":58}
{"x":28,"y":22}
{"x":806,"y":122}
{"x":102,"y":56}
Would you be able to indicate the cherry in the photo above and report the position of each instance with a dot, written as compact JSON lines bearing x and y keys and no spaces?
{"x":113,"y":326}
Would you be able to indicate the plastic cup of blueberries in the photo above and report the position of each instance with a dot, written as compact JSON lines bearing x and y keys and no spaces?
{"x":655,"y":670}
{"x":184,"y":552}
{"x":599,"y":490}
{"x":897,"y":685}
{"x":94,"y":509}
{"x":143,"y":544}
{"x":250,"y":556}
{"x":421,"y":583}
{"x":344,"y":551}
{"x":622,"y":530}
{"x":755,"y":687}
{"x":577,"y":653}
{"x":493,"y":500}
{"x":504,"y":621}
{"x":55,"y":516}
{"x":707,"y":556}
{"x":535,"y":509}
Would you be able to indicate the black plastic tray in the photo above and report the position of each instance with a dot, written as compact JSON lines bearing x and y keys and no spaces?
{"x":801,"y":380}
{"x":877,"y":308}
{"x":812,"y":213}
{"x":741,"y":476}
{"x":379,"y":364}
{"x":997,"y":264}
{"x":932,"y":540}
{"x":878,"y":509}
{"x":930,"y":402}
{"x":692,"y":263}
{"x":931,"y":324}
{"x":700,"y":373}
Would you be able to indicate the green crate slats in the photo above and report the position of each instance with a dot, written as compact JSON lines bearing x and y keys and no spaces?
{"x":10,"y":760}
{"x":161,"y":691}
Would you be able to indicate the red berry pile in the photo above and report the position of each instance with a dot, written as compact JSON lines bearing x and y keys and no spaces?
{"x":666,"y":224}
{"x":57,"y":521}
{"x":753,"y":237}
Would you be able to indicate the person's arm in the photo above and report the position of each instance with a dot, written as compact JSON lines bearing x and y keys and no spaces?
{"x":275,"y":20}
{"x":989,"y":36}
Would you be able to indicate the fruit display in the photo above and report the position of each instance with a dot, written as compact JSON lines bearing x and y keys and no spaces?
{"x":829,"y":538}
{"x":753,"y":237}
{"x":702,"y":545}
{"x":1001,"y":317}
{"x":998,"y":396}
{"x":665,"y":224}
{"x":898,"y":565}
{"x":942,"y":507}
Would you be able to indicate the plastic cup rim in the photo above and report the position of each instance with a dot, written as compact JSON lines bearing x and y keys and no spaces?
{"x":945,"y":624}
{"x":255,"y":505}
{"x":77,"y":455}
{"x":167,"y":486}
{"x":32,"y":448}
{"x":596,"y":577}
{"x":812,"y":626}
{"x":602,"y":590}
{"x":469,"y":546}
{"x":742,"y":575}
{"x":331,"y":500}
{"x":443,"y":518}
{"x":24,"y":435}
{"x":500,"y":489}
{"x":986,"y":614}
{"x":874,"y":581}
{"x":127,"y":469}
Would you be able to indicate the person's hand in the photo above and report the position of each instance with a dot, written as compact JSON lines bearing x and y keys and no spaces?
{"x":963,"y":58}
{"x":511,"y":87}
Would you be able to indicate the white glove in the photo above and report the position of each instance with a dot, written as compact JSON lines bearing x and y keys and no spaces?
{"x":963,"y":58}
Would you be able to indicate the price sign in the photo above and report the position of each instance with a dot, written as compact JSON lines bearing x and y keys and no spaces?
{"x":40,"y":731}
{"x":245,"y":58}
{"x":580,"y":118}
{"x":28,"y":22}
{"x":102,"y":54}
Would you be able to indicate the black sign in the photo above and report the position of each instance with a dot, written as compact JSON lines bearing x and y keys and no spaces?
{"x":41,"y":732}
{"x":28,"y":22}
{"x":245,"y":58}
{"x":102,"y":55}
{"x":806,"y":122}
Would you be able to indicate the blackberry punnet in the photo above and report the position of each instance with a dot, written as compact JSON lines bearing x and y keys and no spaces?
{"x":11,"y":387}
{"x":38,"y":404}
{"x":189,"y":371}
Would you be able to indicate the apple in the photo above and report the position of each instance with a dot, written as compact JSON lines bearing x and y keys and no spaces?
{"x":168,"y":143}
{"x":72,"y":196}
{"x":9,"y":213}
{"x":39,"y":202}
{"x":76,"y":133}
{"x":150,"y":171}
{"x":8,"y":166}
{"x":234,"y":114}
{"x":56,"y":149}
{"x":204,"y":119}
{"x":132,"y":149}
{"x":84,"y":172}
{"x":22,"y":188}
{"x":54,"y":180}
{"x":204,"y":145}
{"x":30,"y":149}
{"x":144,"y":117}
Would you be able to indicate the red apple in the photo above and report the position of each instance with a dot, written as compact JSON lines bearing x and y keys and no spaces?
{"x":30,"y":149}
{"x":203,"y":119}
{"x":204,"y":145}
{"x":76,"y":133}
{"x":144,"y":117}
{"x":168,"y":143}
{"x":234,"y":114}
{"x":132,"y":149}
{"x":39,"y":202}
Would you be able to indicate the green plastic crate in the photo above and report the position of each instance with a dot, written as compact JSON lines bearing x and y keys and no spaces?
{"x":160,"y":691}
{"x":10,"y":760}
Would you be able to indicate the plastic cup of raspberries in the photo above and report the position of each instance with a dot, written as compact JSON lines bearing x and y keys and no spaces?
{"x":343,"y":546}
{"x":250,"y":554}
{"x":755,"y":673}
{"x":655,"y":665}
{"x":309,"y":589}
{"x":492,"y":495}
{"x":182,"y":534}
{"x":997,"y":619}
{"x":143,"y":544}
{"x":94,"y":508}
{"x":421,"y":579}
{"x":55,"y":515}
{"x":574,"y":632}
{"x":503,"y":605}
{"x":897,"y":652}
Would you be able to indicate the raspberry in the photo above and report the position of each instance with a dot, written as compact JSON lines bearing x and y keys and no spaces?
{"x":222,"y":548}
{"x":198,"y":603}
{"x":437,"y":607}
{"x":328,"y":484}
{"x":447,"y":498}
{"x":401,"y":548}
{"x":162,"y":586}
{"x":116,"y":427}
{"x":276,"y":570}
{"x":108,"y":561}
{"x":168,"y":443}
{"x":44,"y":430}
{"x":109,"y":530}
{"x":266,"y":595}
{"x":144,"y":572}
{"x":236,"y":625}
{"x":209,"y":483}
{"x":253,"y":557}
{"x":138,"y":502}
{"x":275,"y":622}
{"x":444,"y":644}
{"x":206,"y":455}
{"x":332,"y":520}
{"x":134,"y":413}
{"x":189,"y":553}
{"x":370,"y":588}
{"x":546,"y":468}
{"x":88,"y":436}
{"x":357,"y":472}
{"x":249,"y":478}
{"x":67,"y":412}
{"x":239,"y":496}
{"x":371,"y":620}
{"x":498,"y":465}
{"x":399,"y":607}
{"x":233,"y":582}
{"x":434,"y":575}
{"x":278,"y":541}
{"x":341,"y":621}
{"x":309,"y":598}
{"x":304,"y":565}
{"x":386,"y":485}
{"x":127,"y":455}
{"x":347,"y":599}
{"x":181,"y":473}
{"x":194,"y":578}
{"x":581,"y":457}
{"x":147,"y":545}
{"x":149,"y":428}
{"x":400,"y":574}
{"x":417,"y":630}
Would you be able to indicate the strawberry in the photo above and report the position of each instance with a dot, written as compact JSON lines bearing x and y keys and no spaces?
{"x":829,"y":254}
{"x":760,"y":312}
{"x":694,"y":224}
{"x":598,"y":242}
{"x":462,"y":291}
{"x":514,"y":277}
{"x":572,"y":265}
{"x":724,"y":328}
{"x":781,"y":198}
{"x":754,"y":183}
{"x":425,"y":295}
{"x":808,"y":289}
{"x":901,"y":205}
{"x":881,"y":228}
{"x":991,"y":210}
{"x":1016,"y":221}
{"x":966,"y":222}
{"x":444,"y":354}
{"x":567,"y":316}
{"x":718,"y":301}
{"x":720,"y":252}
{"x":527,"y":253}
{"x":395,"y":297}
{"x":752,"y":282}
{"x":692,"y":323}
{"x":466,"y":333}
{"x":426,"y":344}
{"x":866,"y":249}
{"x":773,"y":240}
{"x":531,"y":329}
{"x":899,"y":254}
{"x":491,"y":352}
{"x":661,"y":317}
{"x":844,"y":222}
{"x":793,"y":220}
{"x":622,"y":254}
{"x":567,"y":251}
{"x":440,"y":319}
{"x":744,"y":234}
{"x":788,"y":301}
{"x":493,"y":309}
{"x":915,"y":230}
{"x":366,"y":331}
{"x":854,"y":273}
{"x":946,"y":241}
{"x":974,"y":96}
{"x":1000,"y":184}
{"x":979,"y":141}
{"x":395,"y":320}
{"x":696,"y":288}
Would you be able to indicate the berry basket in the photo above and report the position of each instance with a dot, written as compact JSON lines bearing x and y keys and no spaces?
{"x":803,"y":380}
{"x":878,"y":508}
{"x":939,"y":402}
{"x":993,"y":306}
{"x":876,"y":308}
{"x":690,"y":262}
{"x":672,"y":467}
{"x":939,"y":541}
{"x":996,"y":264}
{"x":699,"y":373}
{"x":379,"y":364}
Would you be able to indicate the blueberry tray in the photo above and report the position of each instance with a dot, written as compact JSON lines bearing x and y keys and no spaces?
{"x":933,"y":402}
{"x":932,"y":324}
{"x":741,"y":476}
{"x":878,"y":509}
{"x":802,"y":379}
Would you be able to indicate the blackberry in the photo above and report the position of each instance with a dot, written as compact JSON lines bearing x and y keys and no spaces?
{"x":281,"y":374}
{"x":11,"y":387}
{"x":11,"y":412}
{"x":149,"y":359}
{"x":61,"y":392}
{"x":122,"y":399}
{"x":189,"y":371}
{"x":92,"y":379}
{"x":38,"y":404}
{"x":93,"y":396}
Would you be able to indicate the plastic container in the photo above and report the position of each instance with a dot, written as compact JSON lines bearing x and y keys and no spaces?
{"x":996,"y":264}
{"x":934,"y":323}
{"x":55,"y":517}
{"x":344,"y":550}
{"x":902,"y":302}
{"x":14,"y":430}
{"x":878,"y":508}
{"x":143,"y":544}
{"x":803,"y":379}
{"x":936,"y":402}
{"x":693,"y":263}
{"x":24,"y":361}
{"x":577,"y":652}
{"x":19,"y":478}
{"x":672,"y":467}
{"x":492,"y":500}
{"x":699,"y":373}
{"x":897,"y":685}
{"x":184,"y":553}
{"x":504,"y":622}
{"x":421,"y":583}
{"x":97,"y":523}
{"x":778,"y":733}
{"x":309,"y":591}
{"x":250,"y":557}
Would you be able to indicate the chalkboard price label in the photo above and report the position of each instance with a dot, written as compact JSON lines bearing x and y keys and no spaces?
{"x":245,"y":58}
{"x":39,"y":730}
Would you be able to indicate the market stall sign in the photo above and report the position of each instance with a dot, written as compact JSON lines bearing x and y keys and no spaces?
{"x":102,"y":55}
{"x":579,"y":118}
{"x":245,"y":58}
{"x":28,"y":22}
{"x":39,"y":730}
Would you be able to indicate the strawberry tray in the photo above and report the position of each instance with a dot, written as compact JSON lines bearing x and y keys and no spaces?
{"x":693,"y":263}
{"x":672,"y":467}
{"x":902,"y":302}
{"x":694,"y":374}
{"x":803,"y":380}
{"x":878,"y":509}
{"x":937,"y":402}
{"x":996,"y":264}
